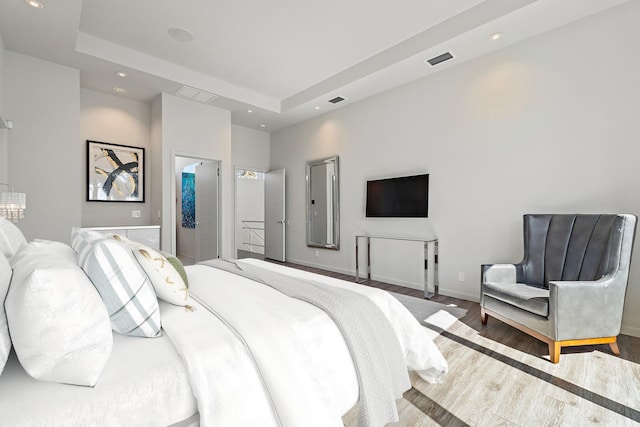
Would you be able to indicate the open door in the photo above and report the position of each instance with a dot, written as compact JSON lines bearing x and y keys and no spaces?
{"x":274,"y":215}
{"x":206,"y":233}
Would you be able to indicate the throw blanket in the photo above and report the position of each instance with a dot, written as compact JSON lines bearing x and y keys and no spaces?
{"x":298,"y":370}
{"x":382,"y":375}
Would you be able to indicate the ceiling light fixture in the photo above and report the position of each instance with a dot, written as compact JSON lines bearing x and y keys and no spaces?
{"x":180,"y":34}
{"x":35,"y":4}
{"x":119,"y":89}
{"x":262,"y":125}
{"x":317,"y":107}
{"x":249,"y":111}
{"x":121,"y":74}
{"x":495,"y":36}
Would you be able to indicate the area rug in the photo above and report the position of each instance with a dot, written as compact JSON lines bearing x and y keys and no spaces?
{"x":430,"y":313}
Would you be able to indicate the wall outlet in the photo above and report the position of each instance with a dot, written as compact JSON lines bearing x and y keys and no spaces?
{"x":317,"y":254}
{"x":460,"y":276}
{"x":135,"y":214}
{"x":159,"y":214}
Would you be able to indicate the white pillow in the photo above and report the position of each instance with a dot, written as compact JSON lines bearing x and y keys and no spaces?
{"x":11,"y":238}
{"x":166,"y":280}
{"x":5,"y":339}
{"x":59,"y":326}
{"x":124,"y":287}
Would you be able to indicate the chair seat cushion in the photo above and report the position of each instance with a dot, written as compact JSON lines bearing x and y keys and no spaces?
{"x":525,"y":297}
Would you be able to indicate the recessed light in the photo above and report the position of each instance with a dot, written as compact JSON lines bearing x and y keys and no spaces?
{"x":317,"y":107}
{"x":262,"y":125}
{"x":180,"y":34}
{"x":35,"y":4}
{"x":119,"y":89}
{"x":121,"y":74}
{"x":249,"y":111}
{"x":495,"y":36}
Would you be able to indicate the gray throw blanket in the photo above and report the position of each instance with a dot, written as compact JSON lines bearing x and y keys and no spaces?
{"x":375,"y":349}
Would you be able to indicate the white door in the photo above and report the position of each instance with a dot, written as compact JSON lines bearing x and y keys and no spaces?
{"x":274,"y":215}
{"x":206,"y":235}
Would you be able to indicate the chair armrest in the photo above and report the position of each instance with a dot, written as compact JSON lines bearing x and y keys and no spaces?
{"x":586,"y":309}
{"x":498,"y":273}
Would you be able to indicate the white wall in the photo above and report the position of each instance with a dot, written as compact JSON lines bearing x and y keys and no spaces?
{"x":198,"y":130}
{"x":546,"y":125}
{"x":116,"y":120}
{"x":4,"y":164}
{"x":250,"y":150}
{"x":43,"y":101}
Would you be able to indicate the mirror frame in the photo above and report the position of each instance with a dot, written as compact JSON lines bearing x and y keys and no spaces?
{"x":335,"y":205}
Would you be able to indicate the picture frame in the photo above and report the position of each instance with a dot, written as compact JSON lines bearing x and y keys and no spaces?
{"x":115,"y":173}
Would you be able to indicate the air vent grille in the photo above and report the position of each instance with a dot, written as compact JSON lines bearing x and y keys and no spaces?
{"x":336,"y":99}
{"x":440,"y":58}
{"x":196,"y":94}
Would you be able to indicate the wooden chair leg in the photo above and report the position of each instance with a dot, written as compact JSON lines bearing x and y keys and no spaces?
{"x":554,"y":351}
{"x":483,"y":316}
{"x":614,"y":348}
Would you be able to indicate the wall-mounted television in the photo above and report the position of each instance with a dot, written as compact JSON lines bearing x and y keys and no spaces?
{"x":401,"y":197}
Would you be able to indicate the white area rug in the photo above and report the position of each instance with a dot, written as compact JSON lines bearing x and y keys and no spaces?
{"x":430,"y":313}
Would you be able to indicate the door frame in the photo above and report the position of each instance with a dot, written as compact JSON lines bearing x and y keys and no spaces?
{"x":195,"y":157}
{"x":235,"y":200}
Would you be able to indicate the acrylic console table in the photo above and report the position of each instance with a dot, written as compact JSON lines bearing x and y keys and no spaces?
{"x":430,"y":257}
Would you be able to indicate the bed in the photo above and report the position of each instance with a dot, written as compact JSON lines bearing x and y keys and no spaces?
{"x":235,"y":350}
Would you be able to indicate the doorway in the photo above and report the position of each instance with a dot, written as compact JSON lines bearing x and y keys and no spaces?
{"x":197,"y":187}
{"x":249,"y":227}
{"x":260,"y":214}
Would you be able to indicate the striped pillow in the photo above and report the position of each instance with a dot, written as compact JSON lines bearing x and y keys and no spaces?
{"x":123,"y":285}
{"x":165,"y":278}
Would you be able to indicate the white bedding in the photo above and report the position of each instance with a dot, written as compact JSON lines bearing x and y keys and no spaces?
{"x":144,"y":383}
{"x":295,"y":350}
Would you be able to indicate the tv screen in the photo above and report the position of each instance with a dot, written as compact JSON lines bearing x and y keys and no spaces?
{"x":402,"y":197}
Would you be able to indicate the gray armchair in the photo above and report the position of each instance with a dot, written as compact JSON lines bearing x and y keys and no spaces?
{"x":569,"y":289}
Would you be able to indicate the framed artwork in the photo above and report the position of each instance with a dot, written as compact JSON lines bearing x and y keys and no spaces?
{"x":188,"y":200}
{"x":115,"y":173}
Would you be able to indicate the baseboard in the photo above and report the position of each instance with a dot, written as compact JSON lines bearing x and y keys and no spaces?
{"x":630,"y":330}
{"x":322,"y":267}
{"x":459,"y":295}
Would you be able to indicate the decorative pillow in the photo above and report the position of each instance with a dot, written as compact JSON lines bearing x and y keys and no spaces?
{"x":177,"y":264}
{"x":123,"y":285}
{"x":11,"y":238}
{"x":82,"y":242}
{"x":5,"y":340}
{"x":59,"y":326}
{"x":166,"y":280}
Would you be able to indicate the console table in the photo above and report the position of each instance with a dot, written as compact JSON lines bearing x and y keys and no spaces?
{"x":430,"y":251}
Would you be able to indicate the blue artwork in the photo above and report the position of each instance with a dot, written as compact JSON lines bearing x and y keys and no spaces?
{"x":188,"y":200}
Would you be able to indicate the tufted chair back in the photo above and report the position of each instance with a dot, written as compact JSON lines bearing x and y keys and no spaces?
{"x":569,"y":247}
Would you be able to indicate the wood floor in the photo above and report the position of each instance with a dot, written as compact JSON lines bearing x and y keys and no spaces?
{"x":499,"y":376}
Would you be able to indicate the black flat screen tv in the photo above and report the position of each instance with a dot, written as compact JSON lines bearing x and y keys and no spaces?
{"x":402,"y":197}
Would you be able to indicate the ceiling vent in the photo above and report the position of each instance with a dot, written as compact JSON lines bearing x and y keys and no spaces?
{"x":196,"y":94}
{"x":337,"y":99}
{"x":440,"y":58}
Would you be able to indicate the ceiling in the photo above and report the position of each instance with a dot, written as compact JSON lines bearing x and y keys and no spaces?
{"x":281,"y":59}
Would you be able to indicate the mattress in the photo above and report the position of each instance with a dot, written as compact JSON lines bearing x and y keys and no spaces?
{"x":144,"y":383}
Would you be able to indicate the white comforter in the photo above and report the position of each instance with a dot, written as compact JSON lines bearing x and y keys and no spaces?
{"x":296,"y":369}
